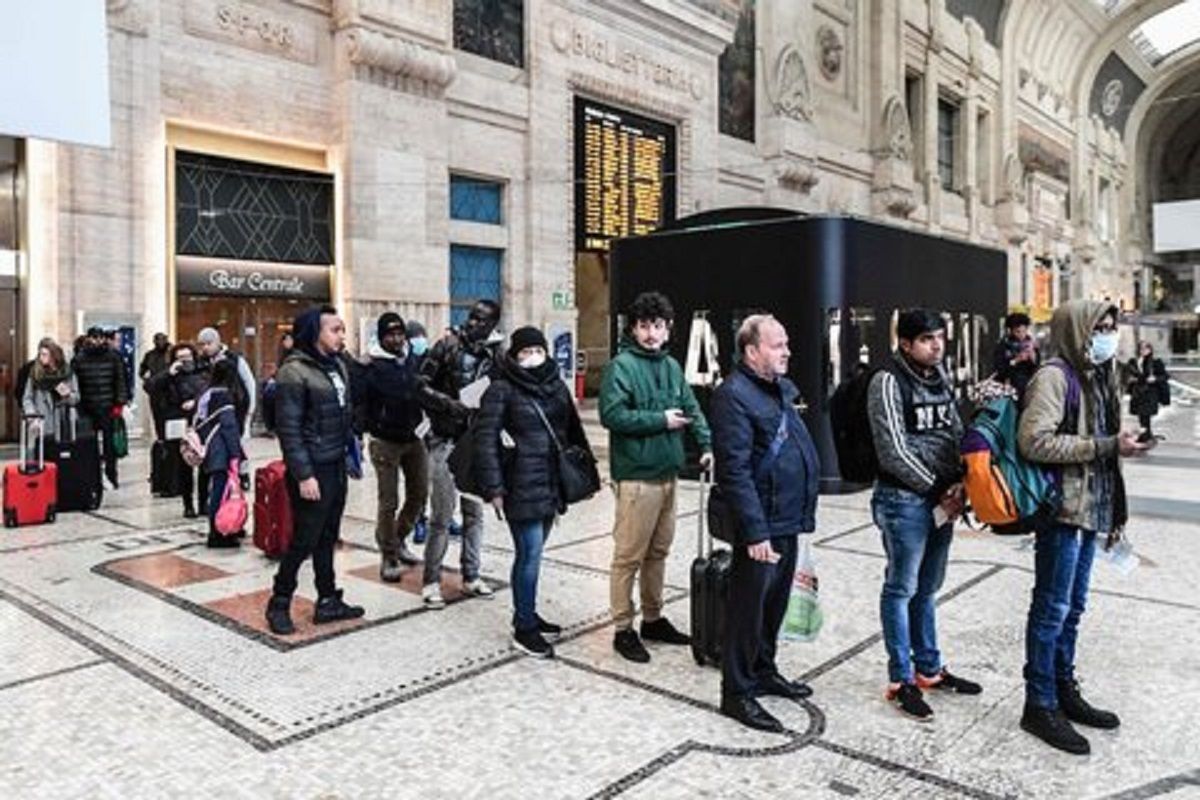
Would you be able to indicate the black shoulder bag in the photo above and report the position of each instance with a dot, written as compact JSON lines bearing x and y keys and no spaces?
{"x":578,"y":477}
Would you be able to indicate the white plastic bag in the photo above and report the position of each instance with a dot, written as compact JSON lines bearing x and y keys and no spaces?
{"x":804,"y":616}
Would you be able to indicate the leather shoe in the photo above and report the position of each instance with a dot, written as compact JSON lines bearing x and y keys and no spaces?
{"x":750,"y":713}
{"x":779,"y":686}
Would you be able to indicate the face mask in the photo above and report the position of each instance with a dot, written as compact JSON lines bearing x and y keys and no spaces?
{"x":1103,"y":347}
{"x":532,"y":361}
{"x":418,"y":345}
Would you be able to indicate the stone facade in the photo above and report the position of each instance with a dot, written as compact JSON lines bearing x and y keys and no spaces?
{"x":847,"y":118}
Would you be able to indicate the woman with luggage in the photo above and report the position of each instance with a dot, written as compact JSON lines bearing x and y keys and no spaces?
{"x":1149,"y":388}
{"x":50,"y":391}
{"x":176,"y":390}
{"x":526,"y":417}
{"x":216,"y":424}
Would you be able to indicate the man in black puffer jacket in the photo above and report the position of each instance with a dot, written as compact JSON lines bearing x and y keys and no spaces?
{"x":102,"y":392}
{"x":314,"y":423}
{"x":390,"y":411}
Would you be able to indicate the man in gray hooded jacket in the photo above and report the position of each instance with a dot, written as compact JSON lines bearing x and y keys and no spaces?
{"x":1072,"y":421}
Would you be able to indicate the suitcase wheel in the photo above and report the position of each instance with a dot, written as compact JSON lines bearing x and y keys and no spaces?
{"x":10,"y":518}
{"x":51,"y":513}
{"x":699,"y":659}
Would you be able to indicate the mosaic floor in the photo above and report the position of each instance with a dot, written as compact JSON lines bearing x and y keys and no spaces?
{"x":134,"y":663}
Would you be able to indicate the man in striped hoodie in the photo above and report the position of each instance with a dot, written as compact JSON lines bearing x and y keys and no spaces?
{"x":916,"y":430}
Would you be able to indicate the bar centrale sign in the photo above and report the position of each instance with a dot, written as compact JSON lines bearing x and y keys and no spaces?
{"x":213,"y":276}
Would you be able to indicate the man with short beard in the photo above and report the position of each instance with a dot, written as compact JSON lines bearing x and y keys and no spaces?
{"x":463,"y":356}
{"x":646,"y":405}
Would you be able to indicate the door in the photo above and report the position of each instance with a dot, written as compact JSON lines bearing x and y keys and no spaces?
{"x":10,"y":363}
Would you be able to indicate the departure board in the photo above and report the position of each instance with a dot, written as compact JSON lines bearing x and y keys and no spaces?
{"x":624,"y":174}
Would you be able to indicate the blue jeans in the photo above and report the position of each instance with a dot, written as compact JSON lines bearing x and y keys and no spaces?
{"x":1062,"y":571}
{"x":917,"y":554}
{"x":529,"y":536}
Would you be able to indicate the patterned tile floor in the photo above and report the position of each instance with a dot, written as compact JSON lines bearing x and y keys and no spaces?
{"x":134,"y":662}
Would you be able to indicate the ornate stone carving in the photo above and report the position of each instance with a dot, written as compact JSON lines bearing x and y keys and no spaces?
{"x":796,"y":174}
{"x":126,"y":15}
{"x":792,"y":96}
{"x":937,"y":36}
{"x":974,"y":47}
{"x":400,"y":57}
{"x":1110,"y":101}
{"x":1014,"y":179}
{"x":829,"y":44}
{"x":895,"y":201}
{"x":897,"y":133}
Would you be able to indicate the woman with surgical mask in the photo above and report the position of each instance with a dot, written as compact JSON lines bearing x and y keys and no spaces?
{"x":525,"y":415}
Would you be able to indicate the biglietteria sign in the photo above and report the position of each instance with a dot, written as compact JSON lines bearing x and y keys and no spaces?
{"x":214,"y":276}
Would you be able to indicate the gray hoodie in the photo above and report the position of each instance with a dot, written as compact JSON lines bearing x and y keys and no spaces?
{"x":917,"y":447}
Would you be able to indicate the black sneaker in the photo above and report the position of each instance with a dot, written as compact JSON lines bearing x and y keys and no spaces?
{"x":1053,"y":728}
{"x":1078,"y":710}
{"x":333,"y":609}
{"x":219,"y":542}
{"x":630,"y":646}
{"x":279,"y":615}
{"x":661,"y":630}
{"x":946,"y":682}
{"x":548,"y":628}
{"x":908,"y":698}
{"x":531,"y":643}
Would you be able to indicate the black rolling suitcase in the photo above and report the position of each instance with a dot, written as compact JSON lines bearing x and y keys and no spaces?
{"x":165,"y":463}
{"x":78,"y":460}
{"x":710,"y":589}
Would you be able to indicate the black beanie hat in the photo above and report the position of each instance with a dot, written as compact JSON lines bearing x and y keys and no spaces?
{"x":915,"y":321}
{"x":527,"y":336}
{"x":388,"y":320}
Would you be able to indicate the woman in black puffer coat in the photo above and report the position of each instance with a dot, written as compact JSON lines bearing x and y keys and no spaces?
{"x":176,"y":391}
{"x":516,"y":465}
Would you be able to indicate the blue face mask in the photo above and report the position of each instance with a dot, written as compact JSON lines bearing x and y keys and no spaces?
{"x":418,"y":345}
{"x":1103,"y":346}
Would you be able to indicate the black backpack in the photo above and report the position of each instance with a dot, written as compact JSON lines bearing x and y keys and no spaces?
{"x":851,"y":424}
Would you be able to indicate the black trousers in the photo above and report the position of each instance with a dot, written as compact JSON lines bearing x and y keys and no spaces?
{"x":318,"y":524}
{"x":758,"y":599}
{"x":103,"y":424}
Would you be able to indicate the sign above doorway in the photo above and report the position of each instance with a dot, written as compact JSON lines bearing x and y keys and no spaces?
{"x":214,"y":276}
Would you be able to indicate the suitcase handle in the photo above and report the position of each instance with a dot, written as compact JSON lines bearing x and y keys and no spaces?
{"x":701,"y":527}
{"x":26,"y":420}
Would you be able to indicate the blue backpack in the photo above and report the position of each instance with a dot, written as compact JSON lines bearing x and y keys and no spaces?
{"x":1007,"y":492}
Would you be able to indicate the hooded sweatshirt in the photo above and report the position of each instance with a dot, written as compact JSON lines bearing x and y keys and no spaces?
{"x":916,"y":441}
{"x":1093,"y":489}
{"x":639,"y":385}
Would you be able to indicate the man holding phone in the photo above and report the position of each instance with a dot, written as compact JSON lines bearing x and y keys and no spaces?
{"x":646,"y":405}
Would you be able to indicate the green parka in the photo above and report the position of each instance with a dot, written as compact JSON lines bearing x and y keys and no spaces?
{"x":639,"y":386}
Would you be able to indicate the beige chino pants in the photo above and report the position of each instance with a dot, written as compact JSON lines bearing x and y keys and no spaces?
{"x":642,"y":537}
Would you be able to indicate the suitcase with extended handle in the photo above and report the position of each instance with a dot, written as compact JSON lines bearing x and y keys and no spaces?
{"x":30,"y":488}
{"x":710,"y":587}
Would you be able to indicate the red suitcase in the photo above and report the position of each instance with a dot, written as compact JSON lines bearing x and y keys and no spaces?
{"x":30,"y":489}
{"x":273,"y":523}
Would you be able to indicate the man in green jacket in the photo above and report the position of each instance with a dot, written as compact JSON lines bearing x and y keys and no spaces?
{"x":646,"y":404}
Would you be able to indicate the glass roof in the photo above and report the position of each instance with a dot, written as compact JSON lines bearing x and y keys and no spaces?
{"x":1169,"y":31}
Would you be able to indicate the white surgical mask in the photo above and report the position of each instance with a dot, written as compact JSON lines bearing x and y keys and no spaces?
{"x":1103,"y":346}
{"x":418,"y":345}
{"x":532,"y":361}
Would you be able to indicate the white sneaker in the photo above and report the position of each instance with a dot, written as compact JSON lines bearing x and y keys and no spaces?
{"x":431,"y":596}
{"x":478,"y":588}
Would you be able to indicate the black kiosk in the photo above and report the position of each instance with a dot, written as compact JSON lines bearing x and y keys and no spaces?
{"x":835,"y":282}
